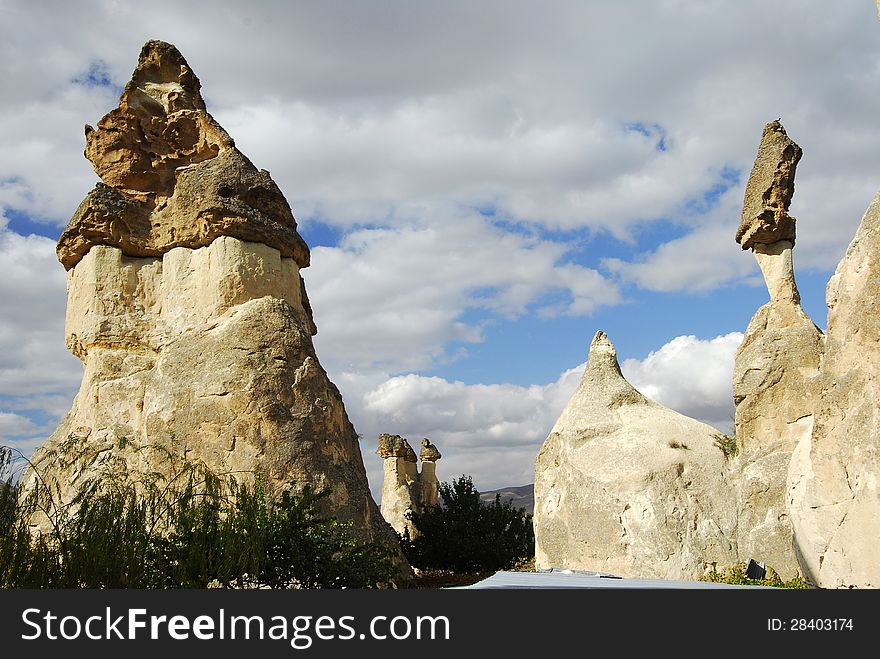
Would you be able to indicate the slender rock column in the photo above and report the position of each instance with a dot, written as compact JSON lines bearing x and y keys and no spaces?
{"x":187,"y":308}
{"x":405,"y":490}
{"x":776,"y":364}
{"x":429,"y":486}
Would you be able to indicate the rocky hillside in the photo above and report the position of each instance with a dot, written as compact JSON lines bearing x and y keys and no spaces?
{"x":521,"y":497}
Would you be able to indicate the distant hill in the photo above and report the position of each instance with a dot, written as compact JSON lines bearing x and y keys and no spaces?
{"x":521,"y":497}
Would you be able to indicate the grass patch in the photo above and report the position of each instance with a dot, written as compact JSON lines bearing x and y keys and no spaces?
{"x":737,"y":575}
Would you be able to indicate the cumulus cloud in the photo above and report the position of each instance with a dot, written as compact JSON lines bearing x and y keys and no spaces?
{"x":690,"y":375}
{"x":392,"y":298}
{"x":38,"y":377}
{"x":15,"y":425}
{"x":569,"y":117}
{"x":701,"y":260}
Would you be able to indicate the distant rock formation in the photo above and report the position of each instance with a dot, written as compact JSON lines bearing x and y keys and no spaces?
{"x":186,"y":306}
{"x":627,"y":486}
{"x":404,"y":489}
{"x":777,"y":363}
{"x":834,"y":478}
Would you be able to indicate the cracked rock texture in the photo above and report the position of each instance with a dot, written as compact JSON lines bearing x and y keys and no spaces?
{"x":834,"y":494}
{"x":187,"y":309}
{"x":627,"y":486}
{"x":777,"y":364}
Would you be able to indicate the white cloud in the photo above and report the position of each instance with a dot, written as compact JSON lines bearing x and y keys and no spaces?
{"x":38,"y":376}
{"x":701,"y":260}
{"x":15,"y":425}
{"x":393,"y":298}
{"x":33,"y":358}
{"x":359,"y":110}
{"x":690,"y":375}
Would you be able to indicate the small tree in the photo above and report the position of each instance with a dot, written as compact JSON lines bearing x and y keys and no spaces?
{"x":466,"y":535}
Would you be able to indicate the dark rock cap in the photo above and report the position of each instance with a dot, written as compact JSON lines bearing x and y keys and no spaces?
{"x":765,"y":217}
{"x":395,"y":446}
{"x":172,"y":176}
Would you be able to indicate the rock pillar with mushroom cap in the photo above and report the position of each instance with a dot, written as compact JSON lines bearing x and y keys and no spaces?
{"x":429,"y":486}
{"x":777,"y":363}
{"x":404,"y":489}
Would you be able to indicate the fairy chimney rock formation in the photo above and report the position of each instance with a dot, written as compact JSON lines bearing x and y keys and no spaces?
{"x":429,"y":486}
{"x":834,"y":477}
{"x":404,"y":489}
{"x":627,"y":486}
{"x":777,"y":363}
{"x":187,"y":309}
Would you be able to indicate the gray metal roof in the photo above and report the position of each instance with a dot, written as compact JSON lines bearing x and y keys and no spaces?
{"x":570,"y":579}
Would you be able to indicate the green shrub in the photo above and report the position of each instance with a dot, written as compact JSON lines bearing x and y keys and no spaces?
{"x":466,"y":535}
{"x":727,"y":444}
{"x":737,"y":575}
{"x":201,"y":532}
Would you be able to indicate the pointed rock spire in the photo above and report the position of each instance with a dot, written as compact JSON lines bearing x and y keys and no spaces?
{"x":627,"y":486}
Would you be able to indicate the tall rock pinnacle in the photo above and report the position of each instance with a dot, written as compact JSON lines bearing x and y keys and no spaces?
{"x":187,"y":309}
{"x":834,"y":478}
{"x":777,"y":363}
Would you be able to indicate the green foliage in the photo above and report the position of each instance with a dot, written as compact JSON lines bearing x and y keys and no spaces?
{"x":737,"y":575}
{"x":466,"y":535}
{"x":194,"y":532}
{"x":727,"y":444}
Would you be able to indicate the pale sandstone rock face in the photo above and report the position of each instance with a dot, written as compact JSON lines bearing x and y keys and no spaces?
{"x":765,"y":217}
{"x":834,"y":494}
{"x":774,"y":380}
{"x":404,"y":488}
{"x":186,"y":306}
{"x":774,"y":389}
{"x":627,"y":486}
{"x":400,"y":482}
{"x":429,"y":486}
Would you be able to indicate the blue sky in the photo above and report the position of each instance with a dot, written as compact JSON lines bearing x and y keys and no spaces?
{"x":483,"y":185}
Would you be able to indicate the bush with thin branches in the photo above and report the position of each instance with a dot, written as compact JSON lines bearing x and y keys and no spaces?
{"x":194,"y":531}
